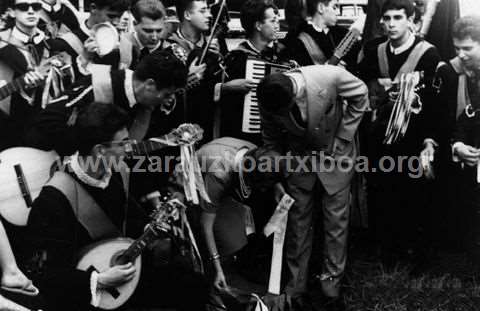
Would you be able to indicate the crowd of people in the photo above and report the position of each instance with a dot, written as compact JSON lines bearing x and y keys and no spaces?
{"x":377,"y":121}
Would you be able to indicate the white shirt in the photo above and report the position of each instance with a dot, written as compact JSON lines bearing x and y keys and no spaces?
{"x":318,"y":29}
{"x":402,"y":48}
{"x":129,"y":91}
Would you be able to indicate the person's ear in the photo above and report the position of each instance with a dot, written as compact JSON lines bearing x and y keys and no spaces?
{"x":320,"y":8}
{"x":258,"y":26}
{"x":186,"y":15}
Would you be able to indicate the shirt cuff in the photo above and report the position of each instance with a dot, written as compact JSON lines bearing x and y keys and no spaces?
{"x":455,"y":158}
{"x":217,"y":92}
{"x":95,"y":301}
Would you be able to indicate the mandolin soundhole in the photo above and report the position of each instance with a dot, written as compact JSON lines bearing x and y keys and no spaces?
{"x":119,"y":259}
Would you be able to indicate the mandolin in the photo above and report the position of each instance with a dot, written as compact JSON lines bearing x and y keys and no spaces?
{"x":105,"y":254}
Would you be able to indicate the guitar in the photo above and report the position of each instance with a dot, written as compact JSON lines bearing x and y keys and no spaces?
{"x":105,"y":254}
{"x":19,"y":83}
{"x":354,"y":33}
{"x":24,"y":171}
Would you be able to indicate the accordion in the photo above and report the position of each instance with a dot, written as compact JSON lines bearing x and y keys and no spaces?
{"x":256,"y":70}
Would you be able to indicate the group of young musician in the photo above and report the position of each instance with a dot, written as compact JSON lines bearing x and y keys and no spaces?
{"x":89,"y":103}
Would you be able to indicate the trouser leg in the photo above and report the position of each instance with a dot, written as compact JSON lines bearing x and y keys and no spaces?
{"x":298,"y":239}
{"x":335,"y":223}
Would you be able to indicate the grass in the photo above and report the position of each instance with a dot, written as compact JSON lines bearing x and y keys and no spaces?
{"x":447,"y":283}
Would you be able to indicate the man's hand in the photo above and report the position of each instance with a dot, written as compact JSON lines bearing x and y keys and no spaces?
{"x":426,"y":160}
{"x":467,"y":154}
{"x":197,"y":70}
{"x":91,"y":47}
{"x":241,"y":86}
{"x":116,"y":276}
{"x":339,"y":146}
{"x":220,"y":283}
{"x":32,"y":79}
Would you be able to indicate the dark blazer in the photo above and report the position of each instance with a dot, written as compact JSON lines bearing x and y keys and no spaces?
{"x":336,"y":102}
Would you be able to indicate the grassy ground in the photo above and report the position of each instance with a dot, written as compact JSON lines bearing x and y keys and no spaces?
{"x":447,"y":284}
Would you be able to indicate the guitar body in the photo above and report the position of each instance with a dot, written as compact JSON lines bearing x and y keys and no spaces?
{"x":100,"y":257}
{"x":35,"y":165}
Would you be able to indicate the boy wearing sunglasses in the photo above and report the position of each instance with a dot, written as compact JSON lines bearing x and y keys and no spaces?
{"x":23,"y":48}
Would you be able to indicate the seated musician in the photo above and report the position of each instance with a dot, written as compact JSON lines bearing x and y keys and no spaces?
{"x":381,"y":69}
{"x":56,"y":230}
{"x":318,"y":39}
{"x":23,"y":48}
{"x":151,"y":86}
{"x":260,"y":20}
{"x":229,"y":186}
{"x":80,"y":41}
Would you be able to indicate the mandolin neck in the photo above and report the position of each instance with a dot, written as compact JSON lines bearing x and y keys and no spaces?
{"x":139,"y":245}
{"x":145,"y":147}
{"x":344,"y":47}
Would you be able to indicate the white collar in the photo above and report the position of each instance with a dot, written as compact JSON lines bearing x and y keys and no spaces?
{"x":129,"y":91}
{"x":38,"y":37}
{"x":49,"y":8}
{"x":318,"y":29}
{"x":199,"y":43}
{"x":141,"y":46}
{"x":402,"y":48}
{"x":87,"y":179}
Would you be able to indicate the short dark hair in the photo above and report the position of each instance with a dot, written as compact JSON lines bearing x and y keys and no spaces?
{"x":467,"y":27}
{"x":406,"y":5}
{"x":313,"y":4}
{"x":275,"y":92}
{"x":153,"y":9}
{"x":164,"y":68}
{"x":184,"y":5}
{"x":254,"y":11}
{"x":116,"y":5}
{"x":97,"y":124}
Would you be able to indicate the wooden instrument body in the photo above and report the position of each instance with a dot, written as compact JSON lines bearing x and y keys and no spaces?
{"x":100,"y":257}
{"x":35,"y":165}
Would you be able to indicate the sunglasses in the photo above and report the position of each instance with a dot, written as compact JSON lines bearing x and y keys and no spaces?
{"x":36,"y":6}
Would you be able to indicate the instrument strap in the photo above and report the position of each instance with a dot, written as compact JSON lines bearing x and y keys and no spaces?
{"x":102,"y":83}
{"x":87,"y":211}
{"x":463,"y":98}
{"x":315,"y":52}
{"x":409,"y":65}
{"x":125,"y":50}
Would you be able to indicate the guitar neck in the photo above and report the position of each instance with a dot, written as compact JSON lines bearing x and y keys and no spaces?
{"x":344,"y":47}
{"x":12,"y":87}
{"x":139,"y":245}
